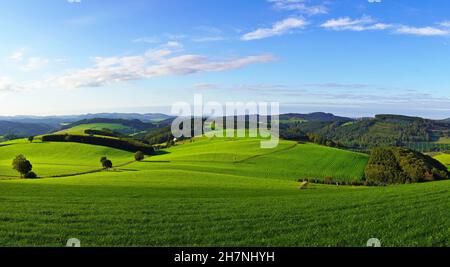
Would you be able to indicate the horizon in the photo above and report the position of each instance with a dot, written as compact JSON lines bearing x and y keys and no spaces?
{"x":168,"y":114}
{"x":352,"y":57}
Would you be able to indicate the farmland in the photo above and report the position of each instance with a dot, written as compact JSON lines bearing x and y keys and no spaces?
{"x":213,"y":192}
{"x":80,"y":129}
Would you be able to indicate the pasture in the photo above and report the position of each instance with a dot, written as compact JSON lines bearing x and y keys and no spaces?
{"x":215,"y":192}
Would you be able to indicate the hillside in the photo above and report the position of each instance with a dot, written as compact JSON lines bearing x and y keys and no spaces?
{"x":219,"y":192}
{"x":23,"y":129}
{"x":289,"y":160}
{"x":383,"y":130}
{"x":53,"y":159}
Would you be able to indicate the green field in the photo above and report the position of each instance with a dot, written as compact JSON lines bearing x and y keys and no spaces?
{"x":217,"y":192}
{"x":79,"y":129}
{"x":444,"y":158}
{"x":52,"y":159}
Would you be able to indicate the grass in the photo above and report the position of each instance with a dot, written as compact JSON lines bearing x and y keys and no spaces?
{"x":444,"y":158}
{"x":288,"y":161}
{"x":187,"y":208}
{"x":221,"y":193}
{"x":79,"y":129}
{"x":51,"y":159}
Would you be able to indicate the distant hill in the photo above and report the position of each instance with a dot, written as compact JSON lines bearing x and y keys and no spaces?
{"x":23,"y":129}
{"x":382,"y":130}
{"x":316,"y":116}
{"x":58,"y":120}
{"x":135,"y":124}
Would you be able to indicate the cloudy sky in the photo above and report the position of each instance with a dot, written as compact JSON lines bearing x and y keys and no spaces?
{"x":350,"y":57}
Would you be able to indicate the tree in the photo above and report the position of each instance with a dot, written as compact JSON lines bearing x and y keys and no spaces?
{"x":139,"y":156}
{"x":103,"y":159}
{"x":31,"y":138}
{"x":22,"y":165}
{"x":107,"y":164}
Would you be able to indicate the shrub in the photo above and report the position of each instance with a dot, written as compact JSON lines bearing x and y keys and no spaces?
{"x":139,"y":156}
{"x":107,"y":164}
{"x":30,"y":175}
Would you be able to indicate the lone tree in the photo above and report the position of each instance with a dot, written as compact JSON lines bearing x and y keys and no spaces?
{"x":139,"y":156}
{"x":106,"y":163}
{"x":22,"y":165}
{"x":31,"y":138}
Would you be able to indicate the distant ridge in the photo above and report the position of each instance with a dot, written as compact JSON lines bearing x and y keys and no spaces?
{"x":57,"y":120}
{"x":316,"y":116}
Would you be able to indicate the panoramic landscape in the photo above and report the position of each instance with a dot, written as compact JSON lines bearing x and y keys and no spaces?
{"x":116,"y":130}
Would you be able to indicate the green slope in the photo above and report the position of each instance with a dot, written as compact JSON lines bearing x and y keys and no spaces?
{"x":216,"y":193}
{"x":51,"y":159}
{"x":288,"y":161}
{"x":190,"y":208}
{"x":444,"y":158}
{"x":79,"y":129}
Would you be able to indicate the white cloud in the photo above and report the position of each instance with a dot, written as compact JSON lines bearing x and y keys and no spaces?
{"x":151,"y":64}
{"x":374,"y":1}
{"x":35,"y":63}
{"x":363,"y":24}
{"x":206,"y":86}
{"x":73,"y":1}
{"x":27,"y":63}
{"x":17,"y":55}
{"x":6,"y":85}
{"x":209,"y":39}
{"x":300,"y":6}
{"x":279,"y":28}
{"x":422,"y":31}
{"x":174,"y":45}
{"x":147,"y":39}
{"x":445,"y":24}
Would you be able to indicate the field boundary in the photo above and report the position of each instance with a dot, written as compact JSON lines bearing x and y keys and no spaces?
{"x":263,"y":155}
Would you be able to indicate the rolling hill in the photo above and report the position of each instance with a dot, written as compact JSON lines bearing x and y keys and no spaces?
{"x":23,"y":129}
{"x":217,"y":192}
{"x":56,"y":159}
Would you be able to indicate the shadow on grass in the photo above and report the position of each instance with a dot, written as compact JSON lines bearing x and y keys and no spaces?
{"x":160,"y":152}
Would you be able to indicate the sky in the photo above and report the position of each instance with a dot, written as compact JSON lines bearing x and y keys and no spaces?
{"x":349,"y":57}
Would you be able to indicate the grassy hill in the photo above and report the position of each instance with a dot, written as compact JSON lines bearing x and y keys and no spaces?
{"x":214,"y":192}
{"x":288,"y":161}
{"x":80,"y":129}
{"x":444,"y":158}
{"x":53,"y":159}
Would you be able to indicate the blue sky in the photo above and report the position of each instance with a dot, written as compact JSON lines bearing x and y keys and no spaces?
{"x":350,"y":57}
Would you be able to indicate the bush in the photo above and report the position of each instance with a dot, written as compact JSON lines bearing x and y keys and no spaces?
{"x":107,"y":164}
{"x":31,"y":175}
{"x":139,"y":156}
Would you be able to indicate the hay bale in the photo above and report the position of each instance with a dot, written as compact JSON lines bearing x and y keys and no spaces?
{"x":303,"y":185}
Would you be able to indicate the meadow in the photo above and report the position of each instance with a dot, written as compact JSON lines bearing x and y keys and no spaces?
{"x":217,"y":192}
